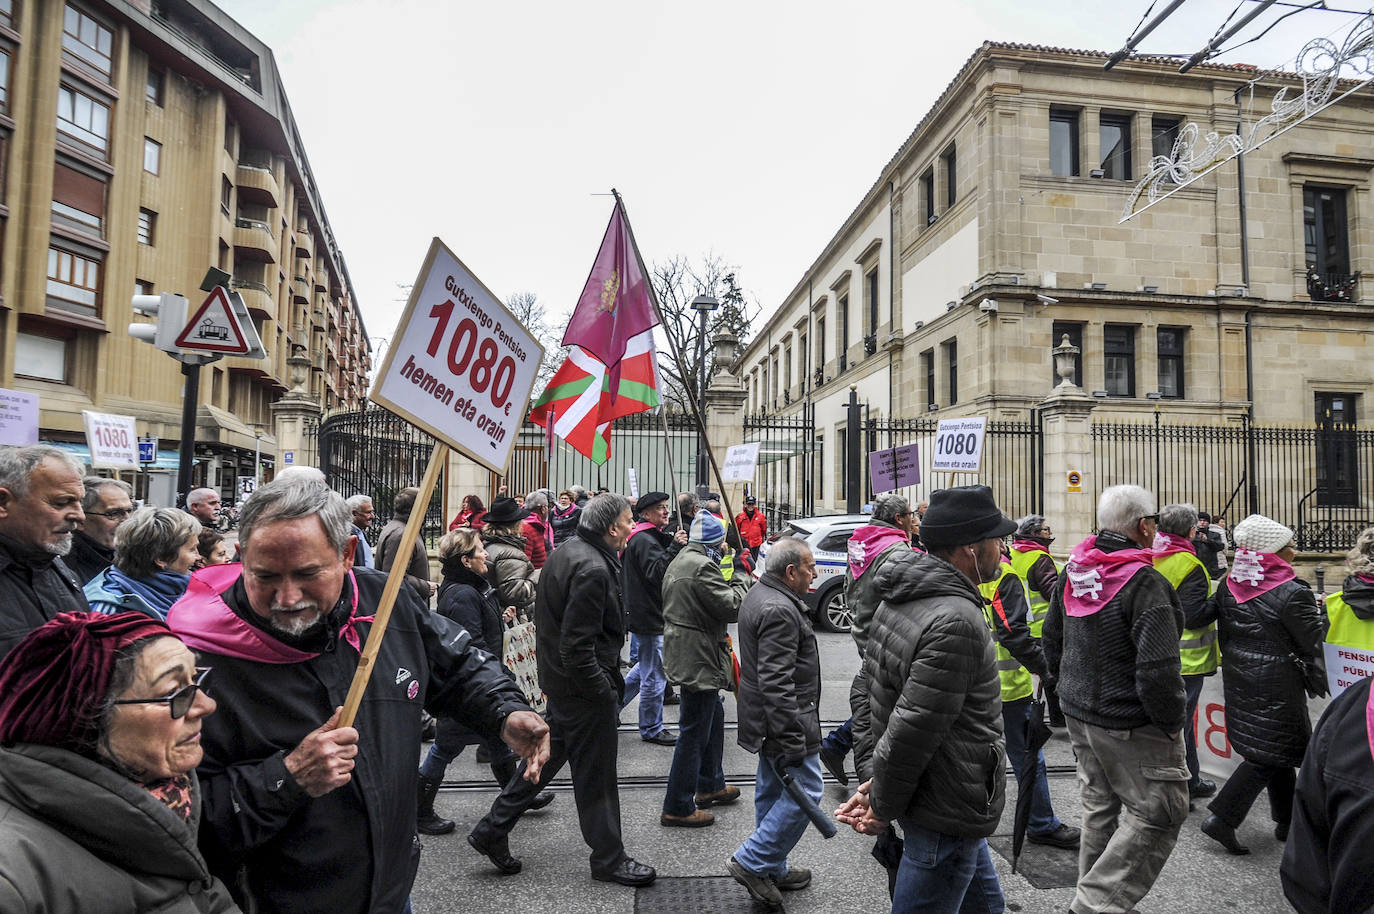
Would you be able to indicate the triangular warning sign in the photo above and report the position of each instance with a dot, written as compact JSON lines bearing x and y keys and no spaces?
{"x":213,"y":327}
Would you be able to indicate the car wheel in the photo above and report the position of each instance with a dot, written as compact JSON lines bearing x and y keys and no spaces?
{"x":833,"y":610}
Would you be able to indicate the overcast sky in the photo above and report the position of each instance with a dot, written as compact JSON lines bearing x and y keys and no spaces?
{"x":750,"y":130}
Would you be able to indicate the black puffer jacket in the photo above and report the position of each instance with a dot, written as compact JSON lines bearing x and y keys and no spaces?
{"x":564,"y":525}
{"x":930,"y":724}
{"x":469,"y":599}
{"x":780,"y":673}
{"x":1359,"y":596}
{"x":1266,"y":705}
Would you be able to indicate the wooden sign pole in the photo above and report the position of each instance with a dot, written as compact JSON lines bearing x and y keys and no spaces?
{"x":394,"y":582}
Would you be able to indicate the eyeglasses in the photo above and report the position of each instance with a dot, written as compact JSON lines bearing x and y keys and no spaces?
{"x":116,"y":514}
{"x":1150,"y":517}
{"x":180,"y":701}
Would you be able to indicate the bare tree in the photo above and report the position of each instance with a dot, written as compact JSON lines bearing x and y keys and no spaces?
{"x":677,"y":281}
{"x":530,"y":312}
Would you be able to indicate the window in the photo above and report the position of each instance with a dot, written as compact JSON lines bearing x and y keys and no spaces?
{"x":928,"y":194}
{"x":1163,"y":135}
{"x":42,"y":357}
{"x":226,"y":191}
{"x":951,"y":182}
{"x":1115,"y":133}
{"x":86,"y":39}
{"x":147,"y":222}
{"x":73,"y":282}
{"x":802,"y":352}
{"x":820,"y":344}
{"x":928,"y":369}
{"x":1169,"y":343}
{"x":844,"y":331}
{"x":4,"y":79}
{"x":1059,"y":330}
{"x":871,"y":294}
{"x":7,"y":12}
{"x":83,"y":118}
{"x":152,"y":155}
{"x":951,"y":348}
{"x":787,"y":374}
{"x":842,"y":457}
{"x":1063,"y":142}
{"x":143,"y":287}
{"x":153,"y":91}
{"x":1326,"y":240}
{"x":1118,"y":350}
{"x":1337,"y":466}
{"x":78,"y":200}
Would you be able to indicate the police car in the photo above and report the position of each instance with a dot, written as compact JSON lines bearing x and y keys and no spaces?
{"x":828,"y":536}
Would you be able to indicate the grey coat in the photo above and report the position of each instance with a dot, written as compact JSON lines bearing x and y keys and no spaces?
{"x":698,"y":604}
{"x":76,"y":837}
{"x":384,"y":554}
{"x":780,"y":673}
{"x":511,"y":572}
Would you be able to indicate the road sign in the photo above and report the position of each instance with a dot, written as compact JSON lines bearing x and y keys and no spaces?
{"x":213,"y":327}
{"x":288,"y":458}
{"x":147,"y":450}
{"x":959,"y":445}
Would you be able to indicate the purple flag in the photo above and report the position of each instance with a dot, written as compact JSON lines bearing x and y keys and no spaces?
{"x":615,"y":305}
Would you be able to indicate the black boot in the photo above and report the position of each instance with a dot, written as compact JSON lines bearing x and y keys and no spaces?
{"x":495,"y":848}
{"x":427,"y":822}
{"x":1223,"y":834}
{"x":506,"y":769}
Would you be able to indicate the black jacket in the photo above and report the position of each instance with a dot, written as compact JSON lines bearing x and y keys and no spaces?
{"x":1011,"y":626}
{"x":1328,"y":861}
{"x":780,"y":673}
{"x":354,"y":849}
{"x":1209,"y":545}
{"x":34,"y":587}
{"x":929,"y":724}
{"x":579,"y":625}
{"x":468,"y":599}
{"x":87,"y":558}
{"x":1359,"y":596}
{"x":1266,"y":705}
{"x":564,"y":525}
{"x":645,"y":560}
{"x":1119,"y":668}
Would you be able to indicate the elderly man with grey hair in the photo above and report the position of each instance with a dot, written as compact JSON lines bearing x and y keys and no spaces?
{"x":363,"y":515}
{"x":283,"y":632}
{"x":203,"y":505}
{"x":107,"y":504}
{"x":40,"y":510}
{"x":1111,"y":638}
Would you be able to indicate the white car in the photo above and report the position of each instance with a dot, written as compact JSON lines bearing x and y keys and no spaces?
{"x":828,"y":536}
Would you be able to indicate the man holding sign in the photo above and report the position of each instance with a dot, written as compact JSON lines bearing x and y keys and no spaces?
{"x":283,"y":633}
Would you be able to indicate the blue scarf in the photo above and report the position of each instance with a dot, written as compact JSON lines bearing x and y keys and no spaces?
{"x":159,"y":590}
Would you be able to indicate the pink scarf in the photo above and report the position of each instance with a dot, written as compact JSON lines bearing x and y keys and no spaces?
{"x":1028,"y":546}
{"x":1254,"y":573}
{"x":638,"y":529}
{"x":868,"y":543}
{"x":206,"y":623}
{"x":1167,"y":544}
{"x":1094,"y":576}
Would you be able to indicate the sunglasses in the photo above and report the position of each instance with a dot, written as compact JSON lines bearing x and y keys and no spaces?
{"x":180,"y":701}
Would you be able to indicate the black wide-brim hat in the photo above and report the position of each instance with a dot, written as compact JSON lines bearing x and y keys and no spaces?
{"x":505,"y":510}
{"x":962,"y":515}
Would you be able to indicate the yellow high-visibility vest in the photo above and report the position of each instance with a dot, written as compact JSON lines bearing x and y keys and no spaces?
{"x":1021,"y":563}
{"x":1016,"y":679}
{"x":1198,"y":649}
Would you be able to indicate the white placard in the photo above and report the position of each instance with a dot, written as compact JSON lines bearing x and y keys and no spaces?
{"x":18,"y":418}
{"x":1346,"y":666}
{"x":634,"y":481}
{"x":959,"y":445}
{"x":459,"y":365}
{"x":247,"y":486}
{"x":112,"y":439}
{"x":740,"y":461}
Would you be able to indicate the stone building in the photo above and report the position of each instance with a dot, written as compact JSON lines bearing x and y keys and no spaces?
{"x":140,"y":144}
{"x":993,"y":233}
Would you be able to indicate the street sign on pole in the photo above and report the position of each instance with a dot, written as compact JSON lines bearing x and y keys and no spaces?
{"x":213,"y":327}
{"x":147,"y":449}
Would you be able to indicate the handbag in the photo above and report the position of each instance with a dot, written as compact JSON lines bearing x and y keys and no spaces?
{"x":1312,"y":675}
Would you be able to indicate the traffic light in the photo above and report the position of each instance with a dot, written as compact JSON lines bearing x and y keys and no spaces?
{"x":170,"y":311}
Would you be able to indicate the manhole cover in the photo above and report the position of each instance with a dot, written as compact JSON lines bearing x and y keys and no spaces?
{"x":1044,"y":867}
{"x":698,"y":895}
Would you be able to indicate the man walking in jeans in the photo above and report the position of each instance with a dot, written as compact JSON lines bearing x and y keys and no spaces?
{"x":1112,"y":637}
{"x":645,"y":560}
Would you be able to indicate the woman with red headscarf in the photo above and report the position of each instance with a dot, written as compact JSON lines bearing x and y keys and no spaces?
{"x":100,"y":721}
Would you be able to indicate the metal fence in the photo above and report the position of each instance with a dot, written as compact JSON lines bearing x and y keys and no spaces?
{"x":789,"y":477}
{"x":638,"y":443}
{"x":1319,"y":480}
{"x":375,"y":452}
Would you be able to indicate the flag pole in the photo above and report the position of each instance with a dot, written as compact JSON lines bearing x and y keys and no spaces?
{"x":677,"y":357}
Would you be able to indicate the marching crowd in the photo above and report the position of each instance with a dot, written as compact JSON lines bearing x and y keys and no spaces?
{"x":173,"y":734}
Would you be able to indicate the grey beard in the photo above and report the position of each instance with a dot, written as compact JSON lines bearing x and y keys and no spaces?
{"x":61,"y":547}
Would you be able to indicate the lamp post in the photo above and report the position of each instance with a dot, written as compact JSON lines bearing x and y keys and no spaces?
{"x":703,"y":305}
{"x":257,"y":456}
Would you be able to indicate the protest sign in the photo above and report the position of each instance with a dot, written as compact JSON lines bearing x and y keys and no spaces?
{"x":895,"y":468}
{"x":112,"y":439}
{"x":740,"y":463}
{"x":18,"y":418}
{"x":959,"y":445}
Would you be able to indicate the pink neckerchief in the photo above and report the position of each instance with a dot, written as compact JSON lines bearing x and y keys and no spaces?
{"x":638,"y":529}
{"x":205,"y":622}
{"x":1254,"y":573}
{"x":868,"y":543}
{"x":1167,"y":544}
{"x":1368,"y":579}
{"x":1094,"y":576}
{"x":1028,"y":546}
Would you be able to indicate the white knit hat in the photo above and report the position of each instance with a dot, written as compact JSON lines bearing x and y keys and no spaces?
{"x":1261,"y":534}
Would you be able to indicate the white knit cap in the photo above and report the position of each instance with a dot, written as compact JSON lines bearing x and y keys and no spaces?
{"x":1261,"y":534}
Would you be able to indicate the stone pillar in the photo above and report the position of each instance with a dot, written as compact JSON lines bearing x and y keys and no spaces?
{"x":291,"y":413}
{"x":725,"y":399}
{"x":465,"y":476}
{"x":1066,"y":423}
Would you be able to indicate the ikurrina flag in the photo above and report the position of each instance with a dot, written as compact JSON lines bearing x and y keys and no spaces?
{"x":579,"y":398}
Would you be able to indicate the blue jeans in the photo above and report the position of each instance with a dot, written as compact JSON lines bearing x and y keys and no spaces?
{"x":779,"y":822}
{"x":841,"y":739}
{"x":1192,"y":688}
{"x":697,"y":756}
{"x":450,"y":741}
{"x":648,"y":680}
{"x":1014,"y":717}
{"x":942,"y":874}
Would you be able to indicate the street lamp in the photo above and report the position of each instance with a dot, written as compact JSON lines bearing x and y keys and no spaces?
{"x":702,"y":305}
{"x":257,"y":456}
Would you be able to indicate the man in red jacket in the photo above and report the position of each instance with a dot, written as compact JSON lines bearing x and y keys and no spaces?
{"x":752,"y":526}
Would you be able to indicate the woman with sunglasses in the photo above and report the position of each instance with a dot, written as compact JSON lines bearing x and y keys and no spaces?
{"x":100,"y":720}
{"x":155,"y":551}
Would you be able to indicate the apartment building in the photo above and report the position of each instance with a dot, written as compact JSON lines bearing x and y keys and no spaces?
{"x":142,"y":143}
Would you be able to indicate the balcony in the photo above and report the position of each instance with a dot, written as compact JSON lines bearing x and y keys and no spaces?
{"x":300,"y":290}
{"x":253,"y":240}
{"x":258,"y":186}
{"x":305,"y":245}
{"x":1335,"y":287}
{"x":257,"y":297}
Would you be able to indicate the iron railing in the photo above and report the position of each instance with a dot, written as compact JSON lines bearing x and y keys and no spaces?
{"x":787,"y":479}
{"x":1332,"y":286}
{"x":637,"y":442}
